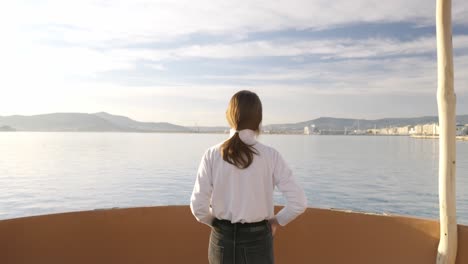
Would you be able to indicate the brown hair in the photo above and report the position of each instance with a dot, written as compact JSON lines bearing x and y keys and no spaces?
{"x":244,"y":112}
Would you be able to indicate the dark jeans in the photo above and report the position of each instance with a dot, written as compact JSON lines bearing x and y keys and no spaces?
{"x":238,"y":243}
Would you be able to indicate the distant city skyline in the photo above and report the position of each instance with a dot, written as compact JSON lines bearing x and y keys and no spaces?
{"x":181,"y":61}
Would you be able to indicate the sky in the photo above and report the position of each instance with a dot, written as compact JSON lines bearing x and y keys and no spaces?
{"x":180,"y":61}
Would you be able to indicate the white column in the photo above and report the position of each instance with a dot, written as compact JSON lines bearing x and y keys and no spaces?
{"x":446,"y":100}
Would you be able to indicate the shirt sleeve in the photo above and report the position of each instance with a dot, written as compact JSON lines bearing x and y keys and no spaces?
{"x":296,"y":201}
{"x":201,"y":195}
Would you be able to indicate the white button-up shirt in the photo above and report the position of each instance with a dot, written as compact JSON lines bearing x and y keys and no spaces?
{"x":224,"y":191}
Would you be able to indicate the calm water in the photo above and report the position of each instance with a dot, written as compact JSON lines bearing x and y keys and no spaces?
{"x":43,"y":173}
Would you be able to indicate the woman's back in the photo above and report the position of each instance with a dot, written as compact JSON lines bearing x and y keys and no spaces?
{"x":246,"y":195}
{"x":233,"y":191}
{"x":243,"y":195}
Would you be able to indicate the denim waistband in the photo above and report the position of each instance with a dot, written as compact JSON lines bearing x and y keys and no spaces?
{"x":251,"y":227}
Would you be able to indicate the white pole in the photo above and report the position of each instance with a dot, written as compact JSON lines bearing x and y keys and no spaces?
{"x":446,"y":101}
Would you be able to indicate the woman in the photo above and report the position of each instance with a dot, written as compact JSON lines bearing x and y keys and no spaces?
{"x":233,"y":192}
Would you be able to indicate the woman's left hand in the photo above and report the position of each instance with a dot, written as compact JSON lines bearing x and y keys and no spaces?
{"x":274,"y":225}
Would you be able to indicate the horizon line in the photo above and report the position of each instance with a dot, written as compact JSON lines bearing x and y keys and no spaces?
{"x":104,"y":112}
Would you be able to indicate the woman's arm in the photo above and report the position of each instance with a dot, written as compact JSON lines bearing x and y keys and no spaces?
{"x":294,"y":194}
{"x":201,"y":195}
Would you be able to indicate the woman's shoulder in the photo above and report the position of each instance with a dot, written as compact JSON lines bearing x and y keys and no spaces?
{"x":216,"y":147}
{"x":265,"y":148}
{"x":213,"y":149}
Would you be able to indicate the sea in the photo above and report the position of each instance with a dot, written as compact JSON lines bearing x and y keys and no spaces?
{"x":53,"y":172}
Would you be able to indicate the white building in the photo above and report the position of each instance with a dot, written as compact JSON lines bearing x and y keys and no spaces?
{"x":310,"y":130}
{"x":430,"y":129}
{"x":404,"y":130}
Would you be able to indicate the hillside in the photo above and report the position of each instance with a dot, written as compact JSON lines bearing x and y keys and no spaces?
{"x":330,"y":123}
{"x":98,"y":122}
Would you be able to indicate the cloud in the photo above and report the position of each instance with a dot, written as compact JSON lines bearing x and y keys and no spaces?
{"x":84,"y":38}
{"x":398,"y":75}
{"x":324,"y":49}
{"x":54,"y":53}
{"x":95,"y":22}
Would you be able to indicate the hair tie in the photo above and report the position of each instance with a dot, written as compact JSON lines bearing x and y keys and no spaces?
{"x":246,"y":135}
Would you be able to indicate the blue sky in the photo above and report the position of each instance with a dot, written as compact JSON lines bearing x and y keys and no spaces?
{"x":180,"y":61}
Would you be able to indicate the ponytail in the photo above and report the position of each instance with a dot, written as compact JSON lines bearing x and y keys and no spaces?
{"x":237,"y":153}
{"x":244,"y":112}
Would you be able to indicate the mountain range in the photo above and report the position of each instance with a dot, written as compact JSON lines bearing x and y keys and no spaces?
{"x":101,"y":122}
{"x":331,"y":123}
{"x":105,"y":122}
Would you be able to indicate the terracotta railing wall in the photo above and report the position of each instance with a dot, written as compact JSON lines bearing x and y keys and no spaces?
{"x":171,"y":235}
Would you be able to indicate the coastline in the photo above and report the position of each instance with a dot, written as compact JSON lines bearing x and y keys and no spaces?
{"x":459,"y":138}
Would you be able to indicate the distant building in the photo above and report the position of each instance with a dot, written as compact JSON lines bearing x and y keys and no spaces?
{"x":418,"y":129}
{"x":310,"y":130}
{"x":389,"y":131}
{"x":424,"y":130}
{"x":404,"y":130}
{"x":430,"y":129}
{"x":462,"y":130}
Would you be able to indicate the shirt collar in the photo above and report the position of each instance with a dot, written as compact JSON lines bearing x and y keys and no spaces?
{"x":248,"y":136}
